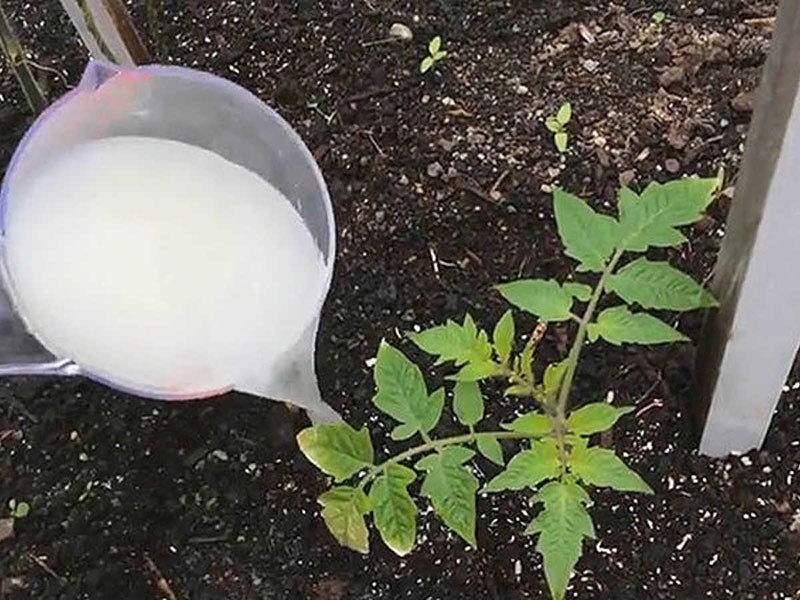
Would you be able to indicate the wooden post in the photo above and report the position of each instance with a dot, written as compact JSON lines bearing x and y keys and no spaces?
{"x":749,"y":346}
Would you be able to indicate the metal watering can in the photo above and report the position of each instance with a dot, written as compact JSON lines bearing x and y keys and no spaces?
{"x":195,"y":108}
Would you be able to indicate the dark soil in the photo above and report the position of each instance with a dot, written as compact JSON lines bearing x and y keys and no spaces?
{"x":441,"y":189}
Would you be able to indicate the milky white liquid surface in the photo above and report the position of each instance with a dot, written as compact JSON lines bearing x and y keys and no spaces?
{"x":160,"y":266}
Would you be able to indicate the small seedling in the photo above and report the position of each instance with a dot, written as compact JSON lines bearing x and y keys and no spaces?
{"x":435,"y":54}
{"x":557,"y":461}
{"x":19,"y":510}
{"x":557,"y":126}
{"x":657,"y":19}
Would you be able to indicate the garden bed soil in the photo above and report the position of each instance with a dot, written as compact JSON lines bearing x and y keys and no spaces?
{"x":440,"y":185}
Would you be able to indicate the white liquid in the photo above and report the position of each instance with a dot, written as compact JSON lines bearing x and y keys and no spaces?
{"x":160,"y":266}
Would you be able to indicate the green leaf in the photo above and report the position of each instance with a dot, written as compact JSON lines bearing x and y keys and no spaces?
{"x":561,"y":140}
{"x":658,"y":17}
{"x":553,"y":125}
{"x":475,"y":371}
{"x":588,"y":237}
{"x":561,"y":526}
{"x":658,"y":285}
{"x":596,"y":417}
{"x":337,"y":449}
{"x":553,"y":375}
{"x":580,"y":291}
{"x":564,"y":114}
{"x":618,"y":325}
{"x":651,"y":219}
{"x":503,"y":336}
{"x":393,"y":509}
{"x":426,"y":64}
{"x":528,"y":468}
{"x":468,"y":402}
{"x":451,"y":489}
{"x":435,"y":45}
{"x":402,"y":393}
{"x":602,"y":468}
{"x":533,"y":424}
{"x":489,"y":447}
{"x":439,"y":55}
{"x":453,"y":342}
{"x":343,"y":511}
{"x":544,"y":298}
{"x":403,"y":432}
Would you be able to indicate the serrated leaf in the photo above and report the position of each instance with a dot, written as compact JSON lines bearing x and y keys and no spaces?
{"x":337,"y":449}
{"x":564,"y":114}
{"x":533,"y":424}
{"x":561,"y":140}
{"x":393,"y":509}
{"x":602,"y":468}
{"x":343,"y":511}
{"x":451,"y":489}
{"x":580,"y":291}
{"x":553,"y":375}
{"x":596,"y":417}
{"x":562,"y":525}
{"x":489,"y":447}
{"x":651,"y":219}
{"x":403,"y":432}
{"x":476,"y":371}
{"x":653,"y":284}
{"x":553,"y":125}
{"x":402,"y":393}
{"x":544,"y":298}
{"x":453,"y":342}
{"x":529,"y":468}
{"x":426,"y":64}
{"x":435,"y":45}
{"x":588,"y":237}
{"x":618,"y":325}
{"x":468,"y":402}
{"x":503,"y":336}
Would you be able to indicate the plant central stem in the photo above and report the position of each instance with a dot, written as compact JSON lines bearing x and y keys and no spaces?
{"x":574,"y":355}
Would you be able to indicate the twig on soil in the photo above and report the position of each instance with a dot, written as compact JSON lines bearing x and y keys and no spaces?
{"x":374,"y":143}
{"x":494,"y":192}
{"x":47,"y":569}
{"x":650,"y":390}
{"x":161,"y":583}
{"x":434,"y":261}
{"x":210,"y":539}
{"x":652,"y":405}
{"x":462,"y":183}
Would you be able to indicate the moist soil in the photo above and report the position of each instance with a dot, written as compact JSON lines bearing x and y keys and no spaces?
{"x":441,"y":188}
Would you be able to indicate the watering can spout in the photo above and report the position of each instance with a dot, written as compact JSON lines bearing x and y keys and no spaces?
{"x":97,"y":72}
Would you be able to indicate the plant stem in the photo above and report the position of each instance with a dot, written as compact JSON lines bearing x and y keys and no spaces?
{"x":436,"y":444}
{"x":573,"y":357}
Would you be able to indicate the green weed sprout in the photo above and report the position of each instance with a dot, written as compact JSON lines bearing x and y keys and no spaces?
{"x":18,"y":510}
{"x":557,"y":126}
{"x":556,"y":460}
{"x":435,"y":54}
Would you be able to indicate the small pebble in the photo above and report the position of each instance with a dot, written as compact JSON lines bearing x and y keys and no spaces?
{"x":672,"y":165}
{"x":220,"y":455}
{"x":401,"y":32}
{"x":435,"y":169}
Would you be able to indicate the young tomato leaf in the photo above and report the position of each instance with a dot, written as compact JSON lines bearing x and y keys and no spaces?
{"x":426,"y":64}
{"x":337,"y":449}
{"x":564,"y":114}
{"x":343,"y":512}
{"x":561,"y":140}
{"x":553,"y":376}
{"x":475,"y":371}
{"x":580,"y":291}
{"x":553,"y":125}
{"x":468,"y":402}
{"x":453,"y":342}
{"x":544,"y":298}
{"x":533,"y":424}
{"x":658,"y":285}
{"x":529,"y":468}
{"x":393,"y":509}
{"x":489,"y":447}
{"x":402,"y":393}
{"x":618,"y":325}
{"x":562,"y":525}
{"x":595,"y":417}
{"x":588,"y":237}
{"x":517,"y":390}
{"x":435,"y":45}
{"x":451,"y":488}
{"x":602,"y":468}
{"x":651,"y":219}
{"x":503,"y":336}
{"x":439,"y":55}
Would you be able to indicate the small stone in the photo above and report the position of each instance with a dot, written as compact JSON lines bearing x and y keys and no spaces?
{"x":446,"y":145}
{"x":590,"y":65}
{"x":521,"y":89}
{"x":626,"y":177}
{"x":671,"y":76}
{"x":426,"y":98}
{"x":401,"y":32}
{"x":435,"y":170}
{"x":73,"y":436}
{"x":672,"y":165}
{"x":83,"y":457}
{"x":743,"y":102}
{"x":220,"y":455}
